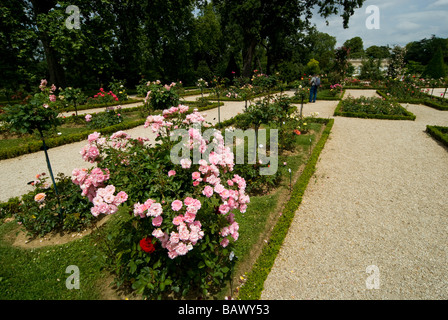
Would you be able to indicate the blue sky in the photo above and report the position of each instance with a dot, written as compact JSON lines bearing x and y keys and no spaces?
{"x":401,"y":21}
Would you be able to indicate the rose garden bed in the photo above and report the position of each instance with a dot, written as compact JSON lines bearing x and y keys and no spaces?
{"x":372,"y":108}
{"x":124,"y":245}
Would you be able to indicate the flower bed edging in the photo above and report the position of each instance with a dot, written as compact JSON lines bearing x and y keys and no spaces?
{"x":437,"y":133}
{"x":256,"y":277}
{"x":428,"y":103}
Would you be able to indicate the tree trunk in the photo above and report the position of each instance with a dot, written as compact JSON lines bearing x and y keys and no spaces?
{"x":55,"y":70}
{"x":248,"y":56}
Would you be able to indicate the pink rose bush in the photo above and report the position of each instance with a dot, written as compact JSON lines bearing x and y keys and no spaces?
{"x":93,"y":187}
{"x":189,"y":208}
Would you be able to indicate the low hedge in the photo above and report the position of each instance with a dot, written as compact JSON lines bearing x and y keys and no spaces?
{"x":337,"y":112}
{"x":429,"y":103}
{"x":255,"y":279}
{"x":100,"y":105}
{"x":35,"y":146}
{"x":439,"y":133}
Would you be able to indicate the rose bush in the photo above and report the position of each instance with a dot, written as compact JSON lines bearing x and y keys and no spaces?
{"x":39,"y":210}
{"x":183,"y":221}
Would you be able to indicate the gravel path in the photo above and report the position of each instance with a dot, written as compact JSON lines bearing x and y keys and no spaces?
{"x":378,"y":197}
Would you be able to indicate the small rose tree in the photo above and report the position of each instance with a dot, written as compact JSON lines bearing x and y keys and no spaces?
{"x":182,"y":226}
{"x":39,"y":114}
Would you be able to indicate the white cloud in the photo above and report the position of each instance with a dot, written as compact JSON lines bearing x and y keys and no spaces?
{"x":439,"y":3}
{"x":401,"y":22}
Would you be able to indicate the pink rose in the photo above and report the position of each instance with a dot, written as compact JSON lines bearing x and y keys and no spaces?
{"x":225,"y":242}
{"x":176,"y":205}
{"x":196,"y":175}
{"x":174,"y":238}
{"x":188,"y":201}
{"x":223,"y":209}
{"x":94,"y":136}
{"x":52,"y":98}
{"x":184,"y":234}
{"x":171,"y":173}
{"x":155,"y":210}
{"x":189,"y":217}
{"x":208,"y":191}
{"x":181,"y":249}
{"x":158,"y":233}
{"x":185,"y":163}
{"x":157,"y":221}
{"x":178,"y":220}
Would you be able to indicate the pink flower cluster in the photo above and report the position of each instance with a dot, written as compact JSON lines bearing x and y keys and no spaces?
{"x":188,"y":228}
{"x":194,"y":117}
{"x":157,"y":123}
{"x":90,"y":182}
{"x":105,"y":202}
{"x":92,"y":186}
{"x":119,"y":141}
{"x":173,"y":110}
{"x":231,"y":192}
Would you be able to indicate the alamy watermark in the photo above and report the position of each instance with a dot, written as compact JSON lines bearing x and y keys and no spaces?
{"x":72,"y":281}
{"x":257,"y":146}
{"x":373,"y":21}
{"x":373,"y":281}
{"x":72,"y":21}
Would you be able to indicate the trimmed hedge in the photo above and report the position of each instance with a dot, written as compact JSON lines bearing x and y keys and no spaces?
{"x":426,"y":102}
{"x":439,"y":133}
{"x":338,"y":112}
{"x":35,"y":146}
{"x":255,"y":280}
{"x":100,"y":105}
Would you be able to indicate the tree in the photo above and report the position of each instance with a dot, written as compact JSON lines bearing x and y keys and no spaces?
{"x":321,"y":47}
{"x":422,"y":51}
{"x":378,"y":52}
{"x":436,"y":68}
{"x":21,"y":54}
{"x":371,"y":69}
{"x":55,"y":69}
{"x":312,"y":67}
{"x":356,"y":47}
{"x":260,"y":21}
{"x":396,"y":64}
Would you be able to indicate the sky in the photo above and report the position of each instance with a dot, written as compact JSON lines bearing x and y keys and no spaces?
{"x":400,"y":22}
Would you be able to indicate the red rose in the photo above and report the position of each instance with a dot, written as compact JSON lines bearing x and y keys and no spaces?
{"x":147,"y":245}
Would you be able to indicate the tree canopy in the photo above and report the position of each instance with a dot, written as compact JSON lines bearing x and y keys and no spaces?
{"x":168,"y":40}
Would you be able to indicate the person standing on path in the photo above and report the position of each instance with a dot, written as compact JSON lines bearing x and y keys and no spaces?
{"x":315,"y":83}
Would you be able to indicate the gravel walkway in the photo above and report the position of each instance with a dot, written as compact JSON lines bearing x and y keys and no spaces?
{"x":378,"y":197}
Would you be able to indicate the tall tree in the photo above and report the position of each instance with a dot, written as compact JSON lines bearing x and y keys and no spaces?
{"x":55,"y":70}
{"x":436,"y":68}
{"x":261,"y":20}
{"x":356,"y":47}
{"x":21,"y":54}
